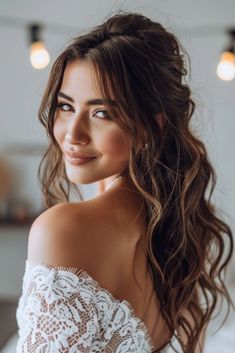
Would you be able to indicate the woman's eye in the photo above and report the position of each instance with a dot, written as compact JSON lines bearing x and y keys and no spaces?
{"x":65,"y":107}
{"x":102,"y":112}
{"x":61,"y":106}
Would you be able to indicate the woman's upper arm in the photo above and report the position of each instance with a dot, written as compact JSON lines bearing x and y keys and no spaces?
{"x":57,"y":311}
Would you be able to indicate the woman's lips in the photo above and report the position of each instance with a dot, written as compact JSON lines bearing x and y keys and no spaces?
{"x":77,"y":155}
{"x":76,"y":160}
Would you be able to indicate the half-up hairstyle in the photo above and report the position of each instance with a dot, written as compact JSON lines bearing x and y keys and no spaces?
{"x":142,"y":65}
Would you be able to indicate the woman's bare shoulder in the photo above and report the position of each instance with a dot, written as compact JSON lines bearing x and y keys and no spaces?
{"x":71,"y":235}
{"x":52,"y":234}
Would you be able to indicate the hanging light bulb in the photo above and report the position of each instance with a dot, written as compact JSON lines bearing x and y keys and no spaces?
{"x":226,"y":66}
{"x":39,"y":56}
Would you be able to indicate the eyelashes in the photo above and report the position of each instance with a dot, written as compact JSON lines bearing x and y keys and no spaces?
{"x":60,"y":106}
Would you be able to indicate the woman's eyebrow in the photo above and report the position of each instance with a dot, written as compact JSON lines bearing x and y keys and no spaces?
{"x":94,"y":101}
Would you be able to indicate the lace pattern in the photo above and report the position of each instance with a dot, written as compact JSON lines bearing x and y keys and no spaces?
{"x":64,"y":310}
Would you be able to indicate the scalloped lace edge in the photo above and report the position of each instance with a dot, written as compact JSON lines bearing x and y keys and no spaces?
{"x":81,"y":273}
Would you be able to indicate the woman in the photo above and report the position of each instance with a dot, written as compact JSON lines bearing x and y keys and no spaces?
{"x":131,"y":270}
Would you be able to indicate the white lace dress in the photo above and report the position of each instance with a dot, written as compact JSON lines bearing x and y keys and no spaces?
{"x":66,"y":310}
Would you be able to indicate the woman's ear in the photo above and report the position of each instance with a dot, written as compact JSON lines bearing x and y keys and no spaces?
{"x":161,"y":121}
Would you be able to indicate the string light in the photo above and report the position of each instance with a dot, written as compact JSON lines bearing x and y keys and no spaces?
{"x":226,"y":66}
{"x":39,"y":56}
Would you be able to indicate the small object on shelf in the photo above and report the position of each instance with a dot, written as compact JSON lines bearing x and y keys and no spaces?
{"x":20,"y":210}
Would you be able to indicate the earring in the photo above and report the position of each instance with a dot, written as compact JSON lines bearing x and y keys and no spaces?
{"x":144,"y":148}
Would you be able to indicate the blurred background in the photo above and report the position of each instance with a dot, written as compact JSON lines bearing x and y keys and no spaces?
{"x":205,"y":28}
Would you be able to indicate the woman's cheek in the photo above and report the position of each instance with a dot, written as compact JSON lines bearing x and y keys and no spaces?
{"x":116,"y":143}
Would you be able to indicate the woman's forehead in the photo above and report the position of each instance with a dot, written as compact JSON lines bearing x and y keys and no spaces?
{"x":79,"y":72}
{"x":82,"y":76}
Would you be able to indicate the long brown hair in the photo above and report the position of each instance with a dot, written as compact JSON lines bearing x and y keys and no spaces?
{"x":143,"y":66}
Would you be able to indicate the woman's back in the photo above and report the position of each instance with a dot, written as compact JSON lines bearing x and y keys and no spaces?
{"x":119,"y":254}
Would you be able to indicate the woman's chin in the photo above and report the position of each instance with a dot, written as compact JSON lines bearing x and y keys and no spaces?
{"x":75,"y":177}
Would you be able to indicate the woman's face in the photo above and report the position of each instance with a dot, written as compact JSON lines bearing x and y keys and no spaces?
{"x":83,"y":126}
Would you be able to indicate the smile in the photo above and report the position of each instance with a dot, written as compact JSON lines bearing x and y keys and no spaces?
{"x":78,"y":161}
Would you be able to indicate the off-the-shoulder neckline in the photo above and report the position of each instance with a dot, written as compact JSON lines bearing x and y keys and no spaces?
{"x":81,"y":273}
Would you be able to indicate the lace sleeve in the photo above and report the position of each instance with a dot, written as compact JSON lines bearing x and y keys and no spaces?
{"x":56,"y":312}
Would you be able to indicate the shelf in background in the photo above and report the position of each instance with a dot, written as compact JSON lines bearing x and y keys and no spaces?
{"x":8,"y":222}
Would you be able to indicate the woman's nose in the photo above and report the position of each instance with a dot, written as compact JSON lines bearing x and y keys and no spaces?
{"x":77,"y":131}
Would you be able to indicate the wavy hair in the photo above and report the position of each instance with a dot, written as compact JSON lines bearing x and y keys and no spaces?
{"x":143,"y":66}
